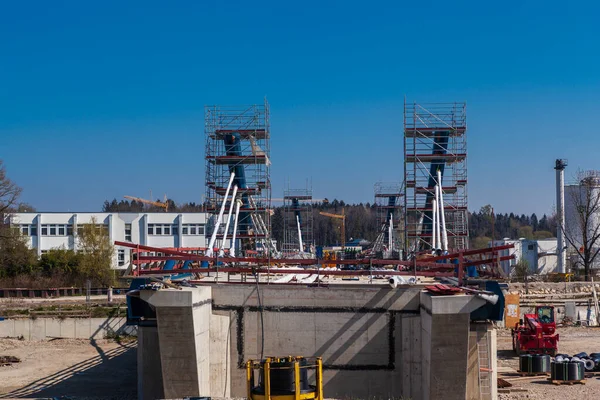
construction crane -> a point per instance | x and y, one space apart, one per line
341 216
281 200
162 204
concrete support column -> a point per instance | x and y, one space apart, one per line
179 237
144 229
445 345
183 318
411 360
149 375
38 222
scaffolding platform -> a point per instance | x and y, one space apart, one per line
297 208
435 140
238 141
389 207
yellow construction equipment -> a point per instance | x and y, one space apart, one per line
341 216
284 378
162 204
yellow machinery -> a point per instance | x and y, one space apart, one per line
329 255
284 378
341 216
161 204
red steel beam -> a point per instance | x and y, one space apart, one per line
275 261
295 271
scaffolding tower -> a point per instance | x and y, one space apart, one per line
238 141
435 139
389 207
297 219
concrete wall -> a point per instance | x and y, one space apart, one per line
67 328
149 377
372 340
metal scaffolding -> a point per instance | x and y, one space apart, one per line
297 219
238 141
435 139
389 206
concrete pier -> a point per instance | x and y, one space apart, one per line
183 320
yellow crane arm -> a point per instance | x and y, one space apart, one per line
154 203
340 216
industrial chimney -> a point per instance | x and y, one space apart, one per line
560 214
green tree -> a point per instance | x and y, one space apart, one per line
15 256
9 191
480 242
542 235
525 232
61 262
96 254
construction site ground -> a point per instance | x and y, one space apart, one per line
572 340
86 369
69 367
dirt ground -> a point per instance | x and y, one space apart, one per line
67 368
103 369
572 340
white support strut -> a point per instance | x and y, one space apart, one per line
442 214
299 235
213 238
229 215
390 231
438 236
434 224
238 204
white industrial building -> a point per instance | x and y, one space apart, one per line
50 230
582 199
540 254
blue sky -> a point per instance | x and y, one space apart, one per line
103 99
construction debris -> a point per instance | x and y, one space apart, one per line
8 360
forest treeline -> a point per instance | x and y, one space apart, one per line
361 221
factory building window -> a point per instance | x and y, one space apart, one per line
128 232
28 230
162 229
121 257
192 229
98 226
52 230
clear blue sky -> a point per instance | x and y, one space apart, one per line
103 99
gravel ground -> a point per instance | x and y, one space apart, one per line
68 367
572 340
